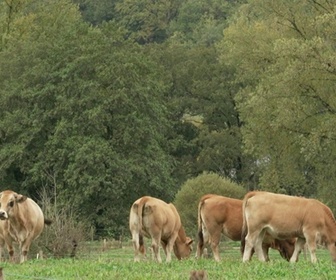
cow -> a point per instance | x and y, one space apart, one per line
283 216
21 220
218 214
155 219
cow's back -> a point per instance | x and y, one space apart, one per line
283 216
224 212
160 216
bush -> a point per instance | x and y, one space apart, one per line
186 200
64 235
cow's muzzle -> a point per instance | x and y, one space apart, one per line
3 215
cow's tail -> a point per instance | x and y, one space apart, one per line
141 206
244 228
200 245
47 222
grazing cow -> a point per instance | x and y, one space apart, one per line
22 221
284 216
155 219
219 214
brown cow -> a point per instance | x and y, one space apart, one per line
161 222
284 216
218 214
22 221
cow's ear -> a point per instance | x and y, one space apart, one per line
189 241
20 198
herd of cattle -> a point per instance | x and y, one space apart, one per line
262 220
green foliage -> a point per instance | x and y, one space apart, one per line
202 90
286 71
147 21
202 22
187 198
82 112
97 12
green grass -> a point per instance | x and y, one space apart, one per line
118 264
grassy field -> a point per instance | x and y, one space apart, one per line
118 264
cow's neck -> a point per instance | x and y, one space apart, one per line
16 221
180 240
182 235
330 221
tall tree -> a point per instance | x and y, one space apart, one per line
201 102
82 113
285 59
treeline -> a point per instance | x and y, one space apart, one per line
102 102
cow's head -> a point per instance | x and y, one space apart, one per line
183 250
285 247
9 201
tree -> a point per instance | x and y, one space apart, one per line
206 135
82 113
147 21
97 12
286 72
202 22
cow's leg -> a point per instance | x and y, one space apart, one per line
136 245
2 244
203 238
215 238
135 241
164 246
250 240
170 246
24 248
265 249
311 242
298 246
10 250
156 248
259 247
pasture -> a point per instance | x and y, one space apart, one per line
92 262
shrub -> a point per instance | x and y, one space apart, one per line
187 198
64 235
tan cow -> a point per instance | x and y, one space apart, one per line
284 216
218 214
22 221
155 219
